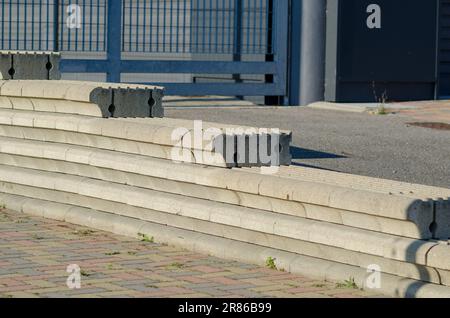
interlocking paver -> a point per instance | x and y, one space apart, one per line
35 253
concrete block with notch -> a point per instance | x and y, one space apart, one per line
5 66
112 100
29 65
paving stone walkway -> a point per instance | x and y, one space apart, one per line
35 253
428 111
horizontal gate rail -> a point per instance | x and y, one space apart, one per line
234 39
204 67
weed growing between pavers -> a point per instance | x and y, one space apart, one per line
176 265
270 263
84 232
146 238
112 253
349 284
84 273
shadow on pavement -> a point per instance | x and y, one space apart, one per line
302 153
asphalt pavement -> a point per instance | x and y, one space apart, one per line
383 146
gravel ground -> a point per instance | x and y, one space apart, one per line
372 145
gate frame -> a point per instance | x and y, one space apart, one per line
114 65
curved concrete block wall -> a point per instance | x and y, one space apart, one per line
118 174
94 99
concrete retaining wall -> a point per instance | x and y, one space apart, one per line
135 137
111 100
59 158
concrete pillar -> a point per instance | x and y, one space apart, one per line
308 37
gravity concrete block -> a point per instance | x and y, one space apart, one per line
439 256
30 66
34 65
84 156
137 164
22 103
441 226
112 100
5 66
130 98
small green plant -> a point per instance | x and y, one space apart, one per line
2 206
146 238
381 110
348 284
177 265
131 253
151 286
110 266
84 232
270 263
318 285
84 273
112 253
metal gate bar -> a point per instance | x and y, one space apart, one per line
174 37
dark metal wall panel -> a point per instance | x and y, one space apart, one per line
396 61
444 49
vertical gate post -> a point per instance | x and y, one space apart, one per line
114 49
237 36
56 21
270 100
280 41
307 65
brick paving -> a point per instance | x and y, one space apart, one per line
428 111
35 253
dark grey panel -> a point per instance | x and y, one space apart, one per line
399 54
444 48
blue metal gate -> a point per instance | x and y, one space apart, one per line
228 39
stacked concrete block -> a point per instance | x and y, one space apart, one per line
28 65
246 146
95 99
141 137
